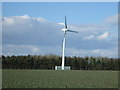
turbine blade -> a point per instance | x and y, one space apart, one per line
72 31
65 23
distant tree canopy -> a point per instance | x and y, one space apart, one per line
50 61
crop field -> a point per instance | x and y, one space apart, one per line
59 79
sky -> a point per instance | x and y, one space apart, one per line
35 28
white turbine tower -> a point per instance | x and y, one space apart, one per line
65 30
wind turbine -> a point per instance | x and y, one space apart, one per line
65 30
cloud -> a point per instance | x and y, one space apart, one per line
8 21
89 37
89 27
61 24
104 36
44 50
112 20
35 50
112 52
36 35
26 30
10 49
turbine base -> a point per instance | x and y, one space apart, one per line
60 68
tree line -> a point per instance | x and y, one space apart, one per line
50 61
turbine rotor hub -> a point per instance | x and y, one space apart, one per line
64 29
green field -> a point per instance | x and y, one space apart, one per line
59 79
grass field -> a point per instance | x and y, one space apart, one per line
59 79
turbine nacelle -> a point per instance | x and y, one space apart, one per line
64 29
